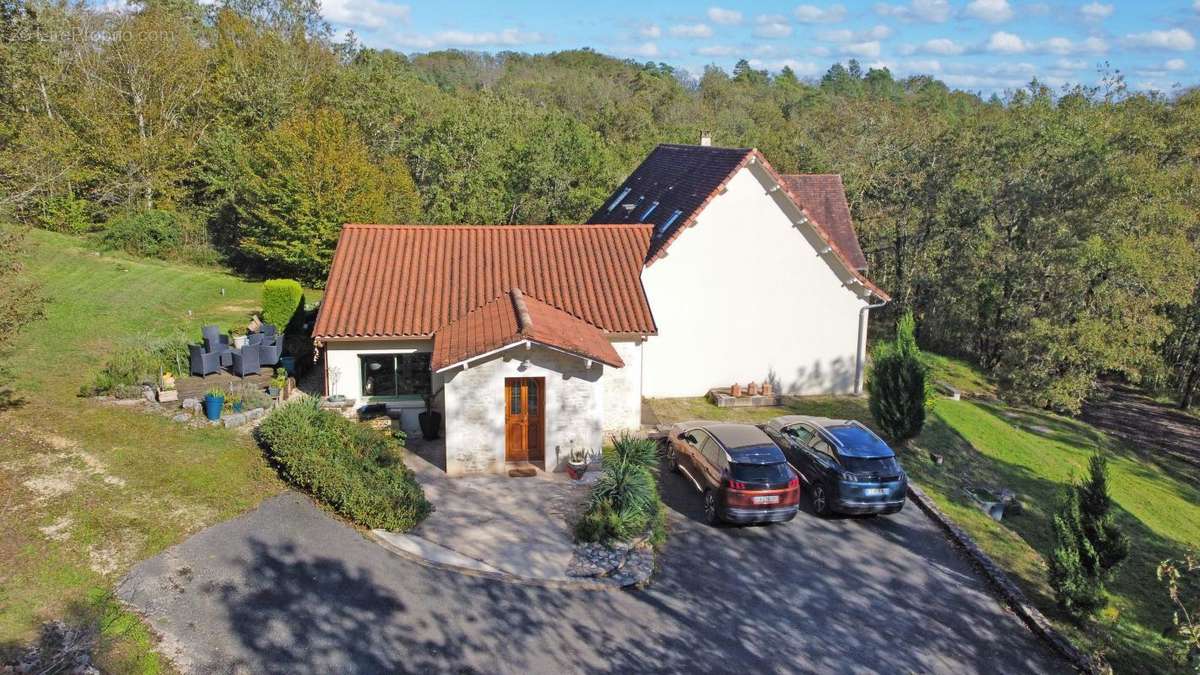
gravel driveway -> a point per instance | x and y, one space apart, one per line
288 589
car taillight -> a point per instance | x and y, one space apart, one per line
794 483
735 484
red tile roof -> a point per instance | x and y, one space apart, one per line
824 196
390 281
512 318
686 178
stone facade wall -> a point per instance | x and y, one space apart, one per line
474 403
623 389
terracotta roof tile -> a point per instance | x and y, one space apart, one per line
391 281
825 198
512 318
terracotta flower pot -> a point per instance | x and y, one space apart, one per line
735 390
752 389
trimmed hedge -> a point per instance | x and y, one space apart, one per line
353 469
282 301
624 502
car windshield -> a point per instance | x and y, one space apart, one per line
879 466
856 441
761 473
757 454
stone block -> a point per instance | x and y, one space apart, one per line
234 420
182 417
255 413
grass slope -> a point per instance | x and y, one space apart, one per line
989 444
90 489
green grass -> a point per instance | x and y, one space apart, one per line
1034 453
960 375
121 485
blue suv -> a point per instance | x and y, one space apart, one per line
847 468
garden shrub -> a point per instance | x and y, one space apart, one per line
624 502
139 362
64 213
353 469
898 385
282 302
153 234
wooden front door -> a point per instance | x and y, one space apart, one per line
523 403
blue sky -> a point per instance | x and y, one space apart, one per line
979 45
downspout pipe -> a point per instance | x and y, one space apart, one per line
861 362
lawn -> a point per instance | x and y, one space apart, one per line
90 489
1034 453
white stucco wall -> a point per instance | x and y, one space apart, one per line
743 295
474 405
343 373
623 389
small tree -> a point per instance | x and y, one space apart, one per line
1111 546
1073 562
1187 622
898 384
282 300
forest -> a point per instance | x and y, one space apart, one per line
1047 235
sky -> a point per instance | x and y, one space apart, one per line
977 45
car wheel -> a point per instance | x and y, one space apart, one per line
710 508
820 500
672 459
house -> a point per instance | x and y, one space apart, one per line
752 275
527 337
534 340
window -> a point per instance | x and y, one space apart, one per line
395 374
669 222
613 204
648 211
713 452
798 434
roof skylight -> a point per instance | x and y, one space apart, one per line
648 211
670 221
613 204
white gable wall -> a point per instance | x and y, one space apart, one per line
742 296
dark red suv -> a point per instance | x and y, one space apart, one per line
742 474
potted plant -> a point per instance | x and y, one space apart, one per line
577 462
238 335
214 401
277 382
166 388
430 420
236 402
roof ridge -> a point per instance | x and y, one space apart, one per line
707 148
524 319
498 226
564 310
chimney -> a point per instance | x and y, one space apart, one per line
705 139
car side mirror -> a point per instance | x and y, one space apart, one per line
682 436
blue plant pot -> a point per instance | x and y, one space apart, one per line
237 407
213 406
288 363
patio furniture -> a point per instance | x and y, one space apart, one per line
254 339
245 361
269 352
217 343
269 330
202 362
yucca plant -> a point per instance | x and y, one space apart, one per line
636 450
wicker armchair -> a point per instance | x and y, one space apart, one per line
202 362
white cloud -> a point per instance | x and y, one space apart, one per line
923 66
716 50
1175 64
819 51
801 68
650 30
1070 64
1096 11
364 13
509 37
845 35
691 30
1176 39
867 49
725 17
772 26
933 11
814 14
1006 43
992 11
942 46
645 49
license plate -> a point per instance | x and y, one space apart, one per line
875 492
766 499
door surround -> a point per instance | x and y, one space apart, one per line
524 419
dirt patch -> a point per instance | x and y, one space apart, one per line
117 553
1155 430
59 530
56 484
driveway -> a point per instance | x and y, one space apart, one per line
288 589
